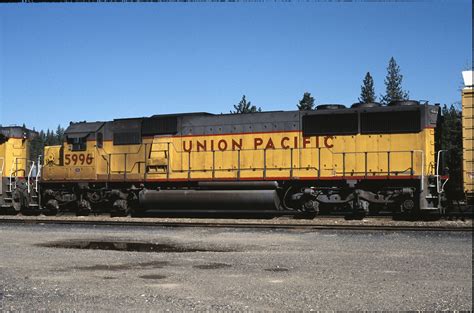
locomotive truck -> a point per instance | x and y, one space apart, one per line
362 159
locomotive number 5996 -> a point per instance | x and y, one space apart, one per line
78 159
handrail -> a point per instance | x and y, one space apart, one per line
422 184
14 172
439 186
38 174
121 153
239 169
388 152
10 177
3 166
292 167
29 175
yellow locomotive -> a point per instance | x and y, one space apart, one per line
467 135
19 186
368 157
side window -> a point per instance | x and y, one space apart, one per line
99 138
77 143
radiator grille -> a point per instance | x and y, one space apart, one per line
330 124
390 122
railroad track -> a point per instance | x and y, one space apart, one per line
326 223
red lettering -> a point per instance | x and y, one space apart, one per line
89 159
68 159
201 146
222 145
326 143
236 144
317 141
78 159
270 144
283 145
295 143
74 158
306 141
212 145
82 158
190 146
257 142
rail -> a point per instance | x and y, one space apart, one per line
320 223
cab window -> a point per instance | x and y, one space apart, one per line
77 143
99 138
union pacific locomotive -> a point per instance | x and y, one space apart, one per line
362 159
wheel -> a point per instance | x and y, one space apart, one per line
30 211
51 208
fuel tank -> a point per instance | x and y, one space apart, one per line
209 199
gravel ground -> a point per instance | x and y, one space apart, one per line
233 269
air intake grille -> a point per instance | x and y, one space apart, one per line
159 126
330 124
390 122
127 138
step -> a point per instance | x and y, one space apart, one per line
431 197
6 206
34 205
7 199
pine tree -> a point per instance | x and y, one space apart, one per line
37 146
50 140
307 103
393 84
245 106
367 90
59 135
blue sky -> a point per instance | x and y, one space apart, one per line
71 62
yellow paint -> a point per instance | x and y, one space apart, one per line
467 140
14 154
242 156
